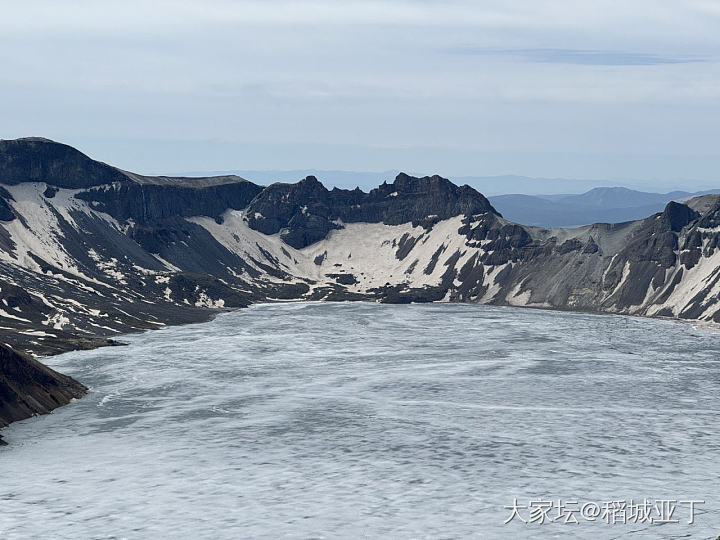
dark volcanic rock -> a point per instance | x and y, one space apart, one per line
35 159
397 294
650 252
422 201
569 246
304 209
591 246
150 203
6 211
343 279
29 388
307 211
40 160
405 245
677 215
430 268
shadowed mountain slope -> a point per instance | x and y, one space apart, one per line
88 252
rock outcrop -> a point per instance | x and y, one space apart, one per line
29 388
35 159
307 211
152 203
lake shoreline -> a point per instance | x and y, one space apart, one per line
95 342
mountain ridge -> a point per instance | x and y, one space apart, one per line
31 159
80 265
602 204
490 186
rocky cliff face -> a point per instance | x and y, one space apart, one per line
306 212
152 203
40 160
28 388
88 252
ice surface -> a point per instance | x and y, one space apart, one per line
365 420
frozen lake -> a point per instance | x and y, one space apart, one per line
320 420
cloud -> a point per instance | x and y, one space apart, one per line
588 57
519 76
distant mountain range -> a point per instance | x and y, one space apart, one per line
489 186
599 205
365 180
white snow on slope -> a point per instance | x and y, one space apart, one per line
693 282
365 250
39 232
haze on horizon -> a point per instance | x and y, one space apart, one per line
607 90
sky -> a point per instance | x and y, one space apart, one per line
595 89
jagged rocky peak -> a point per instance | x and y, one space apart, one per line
437 196
304 209
677 215
312 181
404 182
306 212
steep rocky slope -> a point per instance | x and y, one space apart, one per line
88 251
28 388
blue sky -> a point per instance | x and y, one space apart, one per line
601 89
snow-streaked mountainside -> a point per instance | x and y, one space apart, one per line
88 251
